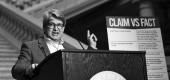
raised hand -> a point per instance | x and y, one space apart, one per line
92 39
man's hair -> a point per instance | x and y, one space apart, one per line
53 13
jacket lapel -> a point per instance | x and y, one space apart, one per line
43 46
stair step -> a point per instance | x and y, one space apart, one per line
6 46
8 59
6 78
4 42
5 75
8 50
5 69
4 64
8 54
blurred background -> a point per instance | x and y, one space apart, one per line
21 20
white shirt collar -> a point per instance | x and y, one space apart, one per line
54 46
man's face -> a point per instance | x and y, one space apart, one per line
55 29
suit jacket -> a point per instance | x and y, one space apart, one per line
31 52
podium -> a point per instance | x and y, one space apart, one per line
83 64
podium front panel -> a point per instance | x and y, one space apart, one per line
82 65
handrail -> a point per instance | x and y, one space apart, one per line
19 26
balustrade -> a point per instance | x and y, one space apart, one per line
18 25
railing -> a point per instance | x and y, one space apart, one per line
19 28
19 25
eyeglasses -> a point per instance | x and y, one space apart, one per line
53 25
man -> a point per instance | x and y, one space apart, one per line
33 52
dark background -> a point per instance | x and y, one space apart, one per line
95 20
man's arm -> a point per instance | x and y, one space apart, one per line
23 67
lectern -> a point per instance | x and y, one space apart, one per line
83 64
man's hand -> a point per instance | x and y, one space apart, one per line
30 70
34 66
92 39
